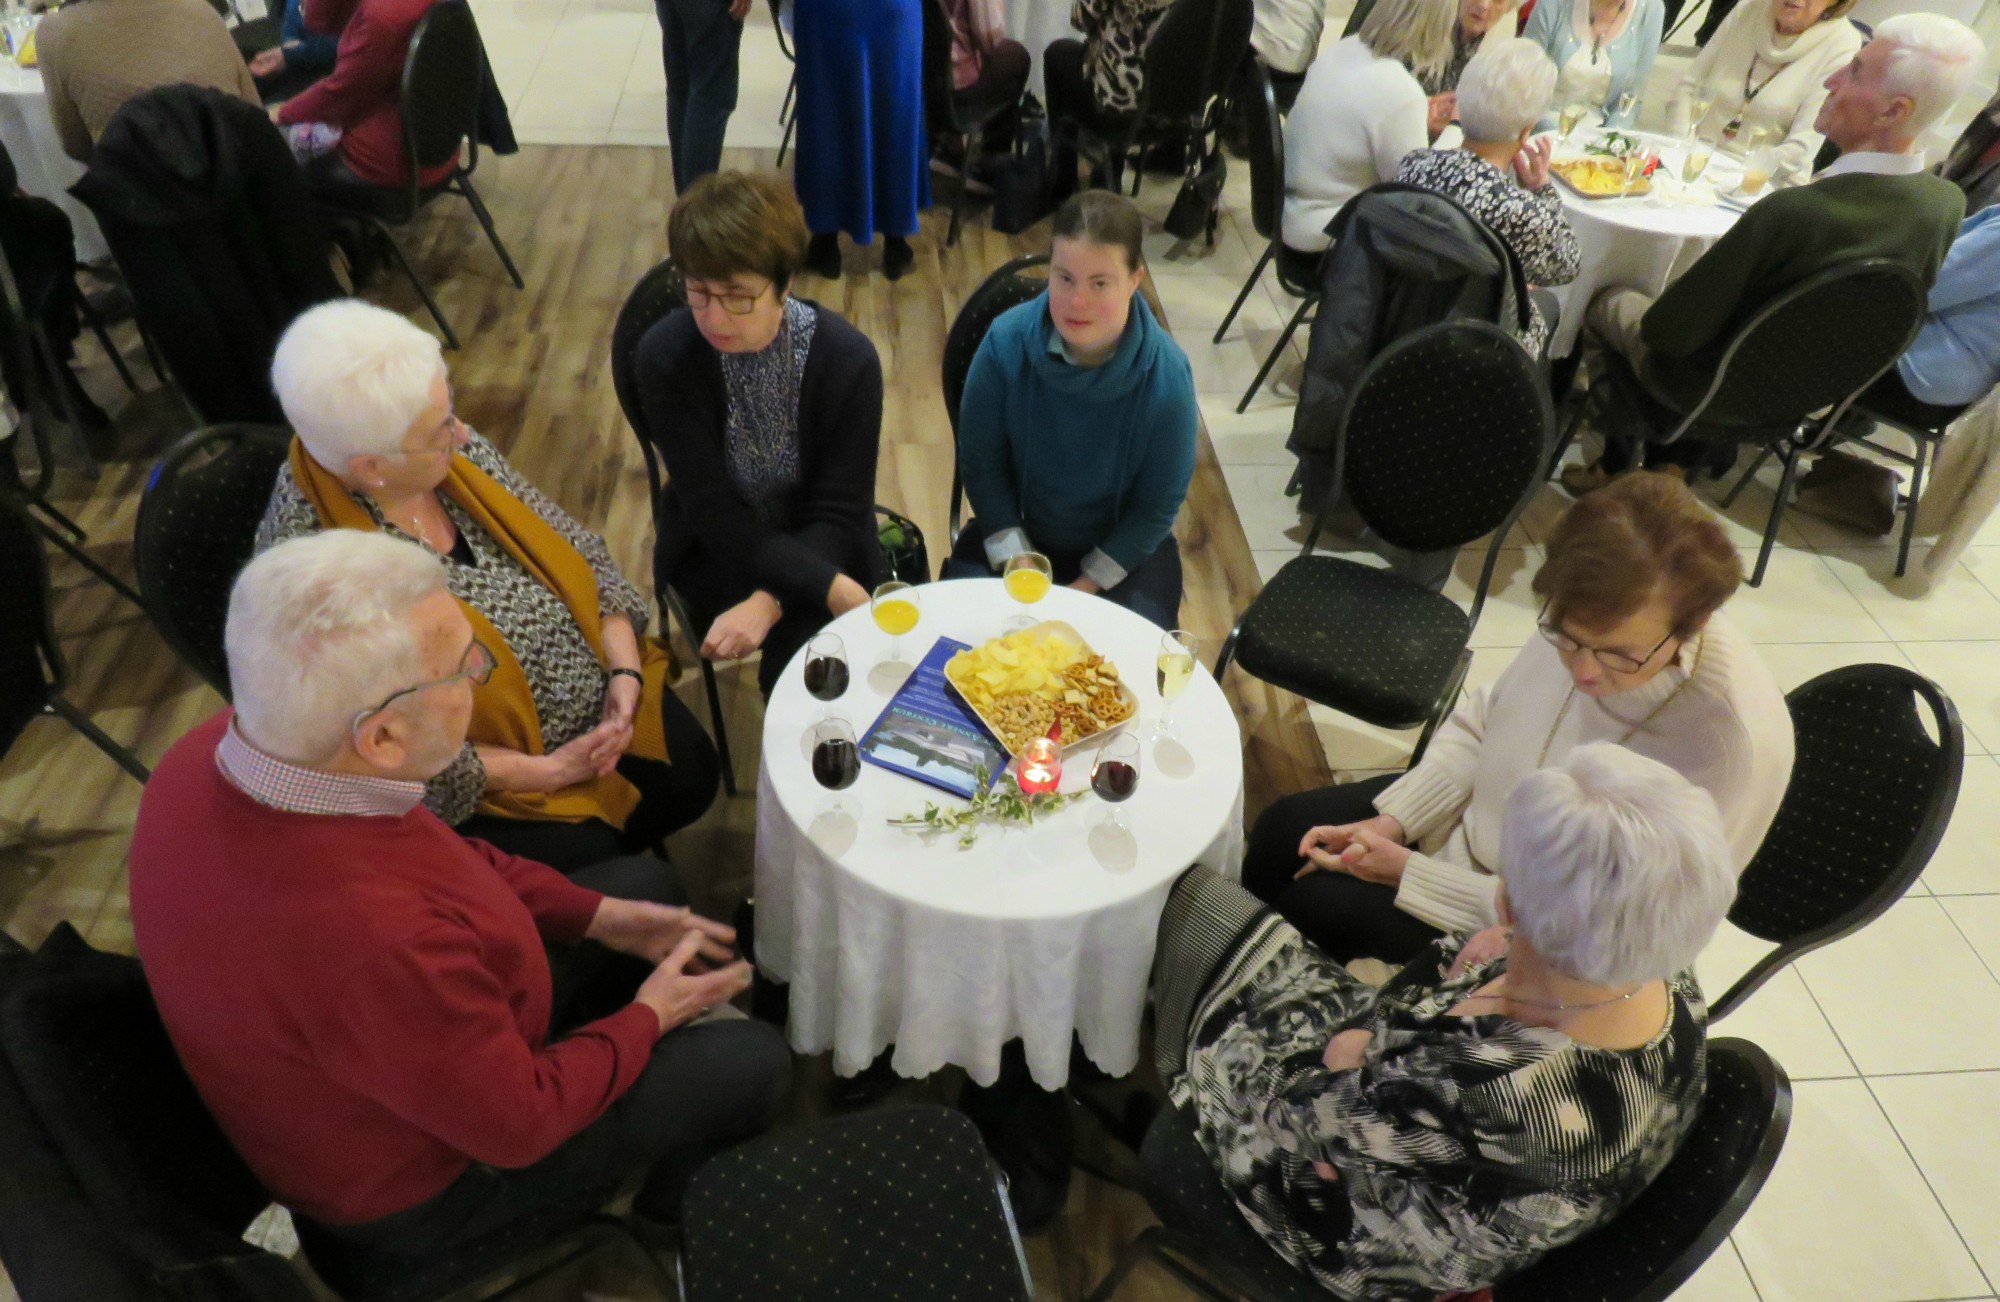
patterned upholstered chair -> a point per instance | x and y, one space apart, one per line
900 1205
1442 442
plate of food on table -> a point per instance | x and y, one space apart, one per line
1030 683
1612 166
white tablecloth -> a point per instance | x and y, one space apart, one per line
45 170
1634 242
950 953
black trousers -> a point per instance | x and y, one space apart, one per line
1343 915
1890 397
705 1088
670 797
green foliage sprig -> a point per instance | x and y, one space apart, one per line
1003 802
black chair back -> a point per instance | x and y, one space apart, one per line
1007 288
1654 1245
1813 346
660 292
902 1203
31 666
1266 136
1444 436
444 75
778 29
197 529
1192 58
1880 751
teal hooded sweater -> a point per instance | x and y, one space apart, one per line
1089 461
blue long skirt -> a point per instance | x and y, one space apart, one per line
863 162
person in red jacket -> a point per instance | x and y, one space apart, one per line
362 96
415 1040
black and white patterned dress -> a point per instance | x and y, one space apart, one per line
1466 1147
1530 222
565 678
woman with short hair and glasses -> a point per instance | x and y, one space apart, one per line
767 410
578 751
1631 650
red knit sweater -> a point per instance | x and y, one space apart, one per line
362 1002
363 95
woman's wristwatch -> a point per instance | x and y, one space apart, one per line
632 674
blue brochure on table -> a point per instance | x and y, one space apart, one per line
927 732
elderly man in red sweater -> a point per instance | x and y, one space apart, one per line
364 998
363 95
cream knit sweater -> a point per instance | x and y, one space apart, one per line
1728 732
1789 77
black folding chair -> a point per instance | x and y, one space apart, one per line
902 1203
444 76
197 529
1190 61
1810 349
1649 1250
1298 273
33 672
1879 753
788 109
1442 442
1005 289
952 115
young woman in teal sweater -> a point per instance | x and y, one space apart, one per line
1076 431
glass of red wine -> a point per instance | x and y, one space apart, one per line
1115 775
826 667
836 759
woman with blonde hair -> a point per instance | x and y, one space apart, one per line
1764 75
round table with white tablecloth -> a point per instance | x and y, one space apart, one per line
1041 932
1639 243
45 171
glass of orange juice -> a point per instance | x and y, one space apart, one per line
895 609
1028 576
1757 169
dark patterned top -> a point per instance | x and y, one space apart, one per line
1466 1147
565 677
1463 47
762 441
1530 222
1115 36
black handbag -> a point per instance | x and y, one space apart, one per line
1021 180
1193 213
904 555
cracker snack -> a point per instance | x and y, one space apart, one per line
1026 682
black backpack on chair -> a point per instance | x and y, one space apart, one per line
904 555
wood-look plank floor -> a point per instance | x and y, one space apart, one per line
535 376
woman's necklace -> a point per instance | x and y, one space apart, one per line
1600 28
417 528
1750 94
1632 731
1555 1007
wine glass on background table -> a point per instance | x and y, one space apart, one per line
1115 776
1028 577
896 611
836 761
1699 104
826 667
1571 115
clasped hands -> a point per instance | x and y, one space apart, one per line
695 964
1371 850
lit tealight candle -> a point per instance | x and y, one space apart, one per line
1041 766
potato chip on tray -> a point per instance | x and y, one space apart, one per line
1024 683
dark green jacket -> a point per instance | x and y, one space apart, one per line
1782 239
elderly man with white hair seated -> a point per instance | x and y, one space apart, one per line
1875 201
416 1041
1448 1129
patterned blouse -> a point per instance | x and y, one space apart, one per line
564 676
1466 1147
762 443
1115 36
1463 47
1530 222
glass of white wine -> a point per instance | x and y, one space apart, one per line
1175 669
1626 103
1757 169
1698 106
1571 114
1696 161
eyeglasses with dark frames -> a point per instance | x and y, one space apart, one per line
734 304
476 664
1618 662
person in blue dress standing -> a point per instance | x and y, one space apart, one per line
863 162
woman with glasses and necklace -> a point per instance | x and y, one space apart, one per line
1631 650
767 410
578 751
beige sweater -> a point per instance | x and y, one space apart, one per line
96 54
1728 732
1791 72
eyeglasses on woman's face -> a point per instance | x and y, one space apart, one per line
476 665
734 299
1616 660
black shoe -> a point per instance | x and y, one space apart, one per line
875 1080
823 256
897 257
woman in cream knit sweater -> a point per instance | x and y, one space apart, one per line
1766 70
1631 651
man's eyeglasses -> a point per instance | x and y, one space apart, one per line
476 664
736 304
1618 662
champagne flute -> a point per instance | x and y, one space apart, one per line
1572 113
1757 170
1634 164
836 760
895 610
1175 670
1028 577
1115 776
1696 162
1699 104
826 667
1626 103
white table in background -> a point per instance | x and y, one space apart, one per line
950 953
45 171
1637 243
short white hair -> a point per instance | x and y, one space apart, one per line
320 630
1934 61
1616 866
352 377
1505 89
